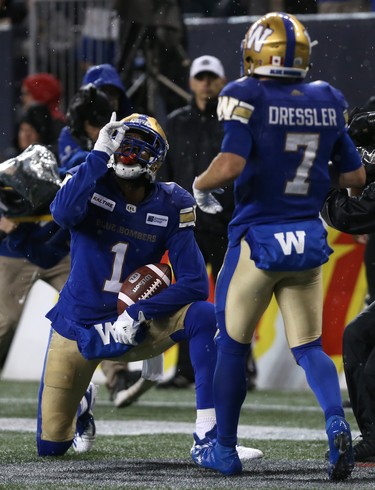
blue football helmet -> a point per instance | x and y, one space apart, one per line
142 150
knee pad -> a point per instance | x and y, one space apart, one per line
199 317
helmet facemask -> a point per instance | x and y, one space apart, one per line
142 150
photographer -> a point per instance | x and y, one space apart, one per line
355 215
28 183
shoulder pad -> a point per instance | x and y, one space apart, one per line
181 200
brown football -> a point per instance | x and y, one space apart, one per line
144 282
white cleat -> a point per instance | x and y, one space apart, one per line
248 453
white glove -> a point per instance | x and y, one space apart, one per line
110 136
126 328
206 201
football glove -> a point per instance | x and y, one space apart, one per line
110 136
126 328
206 201
368 160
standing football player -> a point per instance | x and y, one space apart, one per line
279 135
120 218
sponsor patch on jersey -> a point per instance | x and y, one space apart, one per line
103 202
187 217
231 109
157 220
130 208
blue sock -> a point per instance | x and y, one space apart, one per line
229 391
199 330
48 448
321 376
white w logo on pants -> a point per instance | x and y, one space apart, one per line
291 239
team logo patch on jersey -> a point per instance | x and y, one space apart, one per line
103 202
231 109
157 220
130 208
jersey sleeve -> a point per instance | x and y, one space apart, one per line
70 204
345 156
235 109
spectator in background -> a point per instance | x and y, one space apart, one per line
194 134
35 128
106 78
45 89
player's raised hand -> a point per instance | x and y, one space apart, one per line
206 200
110 136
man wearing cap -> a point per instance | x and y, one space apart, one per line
194 134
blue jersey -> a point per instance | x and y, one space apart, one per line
287 132
110 238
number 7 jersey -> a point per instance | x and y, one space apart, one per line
287 132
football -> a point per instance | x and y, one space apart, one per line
144 282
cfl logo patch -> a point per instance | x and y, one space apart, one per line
257 38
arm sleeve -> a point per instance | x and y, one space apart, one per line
71 202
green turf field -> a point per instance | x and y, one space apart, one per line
146 445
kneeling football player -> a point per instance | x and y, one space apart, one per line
120 219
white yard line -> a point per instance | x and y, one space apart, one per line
144 427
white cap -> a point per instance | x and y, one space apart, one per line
207 63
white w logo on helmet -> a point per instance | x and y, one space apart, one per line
257 38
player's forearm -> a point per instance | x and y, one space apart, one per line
223 170
357 178
71 202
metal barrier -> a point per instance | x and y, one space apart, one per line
344 56
68 35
